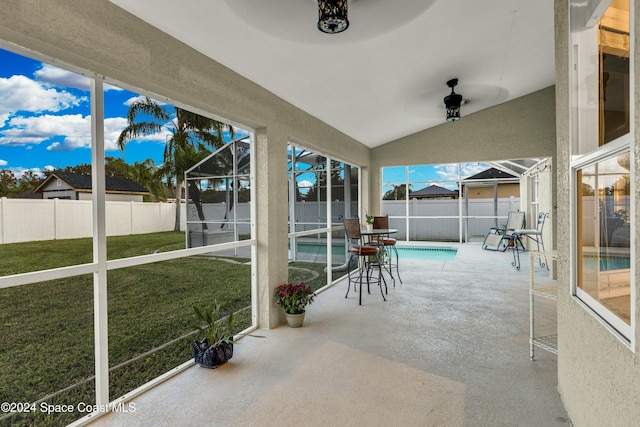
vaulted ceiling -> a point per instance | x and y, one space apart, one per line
385 76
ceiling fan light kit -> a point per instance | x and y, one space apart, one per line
332 16
452 102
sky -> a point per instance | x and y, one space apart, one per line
45 118
421 176
45 124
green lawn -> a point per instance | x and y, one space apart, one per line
46 329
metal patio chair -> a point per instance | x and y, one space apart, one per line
534 234
499 239
387 242
368 258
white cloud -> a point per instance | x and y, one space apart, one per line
140 98
450 171
55 76
447 172
130 101
112 129
73 128
19 93
470 169
3 162
34 130
19 171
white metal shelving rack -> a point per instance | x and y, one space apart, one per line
547 342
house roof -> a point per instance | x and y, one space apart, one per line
82 183
433 190
492 173
29 194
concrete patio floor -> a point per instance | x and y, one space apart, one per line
448 348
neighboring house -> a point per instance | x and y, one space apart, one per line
60 185
29 194
491 183
171 193
433 192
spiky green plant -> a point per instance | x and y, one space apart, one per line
215 330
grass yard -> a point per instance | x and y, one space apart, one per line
46 329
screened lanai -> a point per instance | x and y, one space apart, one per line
322 191
218 197
460 202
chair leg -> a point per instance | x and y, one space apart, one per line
388 263
516 254
381 278
349 275
397 263
546 261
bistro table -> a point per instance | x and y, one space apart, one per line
373 235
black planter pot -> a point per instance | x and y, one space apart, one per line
211 356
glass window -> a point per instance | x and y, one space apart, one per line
603 250
601 93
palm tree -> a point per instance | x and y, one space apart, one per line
191 137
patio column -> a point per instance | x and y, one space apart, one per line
271 221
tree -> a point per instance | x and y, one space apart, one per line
337 187
398 192
8 183
28 181
191 136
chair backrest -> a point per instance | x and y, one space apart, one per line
515 220
352 228
541 218
381 222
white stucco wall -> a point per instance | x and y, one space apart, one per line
598 375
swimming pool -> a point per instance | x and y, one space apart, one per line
427 252
607 262
408 252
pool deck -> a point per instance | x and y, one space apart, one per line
449 347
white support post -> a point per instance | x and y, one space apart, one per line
101 333
329 224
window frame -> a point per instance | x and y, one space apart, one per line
624 332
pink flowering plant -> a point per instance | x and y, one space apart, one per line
293 298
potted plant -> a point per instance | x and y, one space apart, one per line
216 347
368 221
293 298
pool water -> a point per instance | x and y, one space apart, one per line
426 252
607 263
408 252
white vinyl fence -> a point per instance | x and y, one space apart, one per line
443 217
25 220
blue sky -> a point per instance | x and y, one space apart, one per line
421 176
45 118
45 123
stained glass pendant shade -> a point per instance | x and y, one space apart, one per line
452 102
332 16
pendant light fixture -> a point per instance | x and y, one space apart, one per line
452 102
332 16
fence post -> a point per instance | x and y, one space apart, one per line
55 218
3 200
